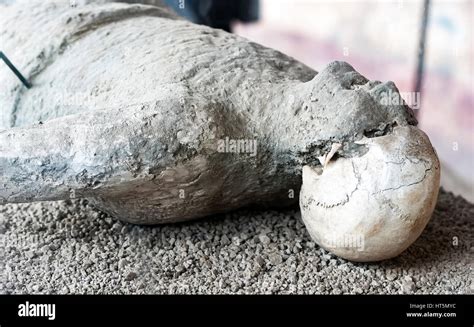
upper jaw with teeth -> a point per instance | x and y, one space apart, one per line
369 176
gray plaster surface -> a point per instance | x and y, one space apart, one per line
129 106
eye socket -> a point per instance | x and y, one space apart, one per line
353 79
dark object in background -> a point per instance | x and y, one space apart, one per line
421 49
216 13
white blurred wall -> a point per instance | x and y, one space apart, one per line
380 39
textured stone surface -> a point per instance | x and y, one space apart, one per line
59 247
129 105
373 207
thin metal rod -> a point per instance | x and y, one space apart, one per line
421 47
14 70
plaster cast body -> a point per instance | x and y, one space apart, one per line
133 103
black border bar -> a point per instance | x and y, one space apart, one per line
318 310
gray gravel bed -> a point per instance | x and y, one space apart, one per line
69 247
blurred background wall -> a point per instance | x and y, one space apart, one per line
380 39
